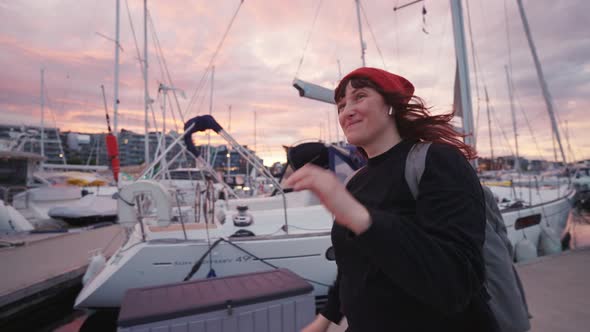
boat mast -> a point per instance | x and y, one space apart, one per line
210 112
358 16
255 150
228 155
42 115
146 96
513 112
546 94
490 128
97 151
116 85
462 66
164 90
569 147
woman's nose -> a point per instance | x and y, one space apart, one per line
348 110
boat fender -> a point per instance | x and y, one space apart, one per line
97 263
229 307
5 220
525 250
220 207
549 242
220 216
331 254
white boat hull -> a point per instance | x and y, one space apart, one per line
553 214
157 262
168 257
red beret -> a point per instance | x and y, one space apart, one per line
387 81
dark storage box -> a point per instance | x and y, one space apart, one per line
273 301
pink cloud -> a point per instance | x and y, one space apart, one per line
261 54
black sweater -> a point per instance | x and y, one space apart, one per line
419 266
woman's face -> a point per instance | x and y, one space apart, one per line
363 116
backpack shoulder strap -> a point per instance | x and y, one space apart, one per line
349 177
415 165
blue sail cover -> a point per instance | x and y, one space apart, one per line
344 161
198 123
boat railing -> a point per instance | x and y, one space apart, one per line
188 209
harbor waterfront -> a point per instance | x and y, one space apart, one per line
172 223
151 154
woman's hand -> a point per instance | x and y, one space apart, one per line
347 211
319 324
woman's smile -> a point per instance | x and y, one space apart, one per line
351 123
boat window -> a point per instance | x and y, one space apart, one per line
527 221
39 182
13 172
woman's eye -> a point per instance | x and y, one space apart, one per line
360 96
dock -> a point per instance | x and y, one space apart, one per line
37 267
557 289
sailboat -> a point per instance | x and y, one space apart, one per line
168 243
537 227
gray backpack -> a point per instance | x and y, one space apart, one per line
507 298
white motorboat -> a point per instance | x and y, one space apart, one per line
36 194
89 209
75 205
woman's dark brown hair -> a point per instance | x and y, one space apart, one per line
413 118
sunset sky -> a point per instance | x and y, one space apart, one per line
260 57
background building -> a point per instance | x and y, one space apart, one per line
232 164
28 139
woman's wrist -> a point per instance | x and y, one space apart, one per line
353 215
361 220
322 322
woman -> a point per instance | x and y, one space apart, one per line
403 264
